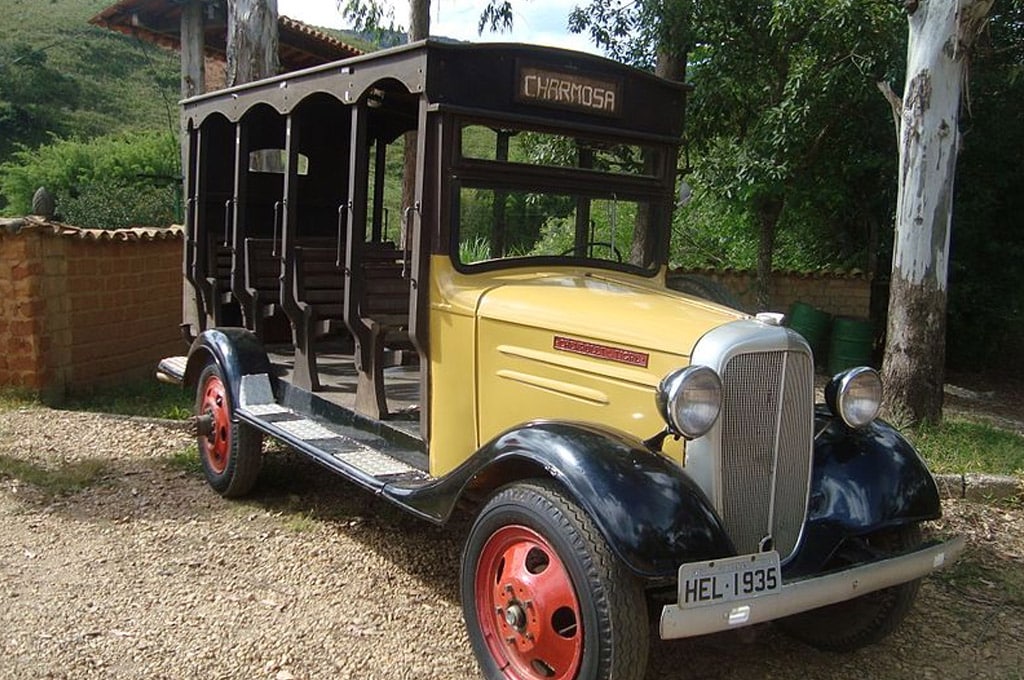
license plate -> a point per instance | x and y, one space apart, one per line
732 578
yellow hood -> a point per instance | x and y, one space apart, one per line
606 310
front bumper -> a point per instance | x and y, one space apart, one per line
808 593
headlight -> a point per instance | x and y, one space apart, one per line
690 399
855 395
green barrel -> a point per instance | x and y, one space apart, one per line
851 344
813 325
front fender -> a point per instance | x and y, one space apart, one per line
653 516
863 480
237 351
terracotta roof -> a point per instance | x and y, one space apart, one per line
159 21
33 223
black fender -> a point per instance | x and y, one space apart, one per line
237 351
652 514
863 480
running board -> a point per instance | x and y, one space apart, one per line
364 457
172 370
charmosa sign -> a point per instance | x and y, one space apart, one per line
563 89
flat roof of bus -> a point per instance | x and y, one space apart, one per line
500 78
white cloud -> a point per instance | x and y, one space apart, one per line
542 22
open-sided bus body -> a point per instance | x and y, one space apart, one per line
439 271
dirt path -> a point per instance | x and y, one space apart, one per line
147 574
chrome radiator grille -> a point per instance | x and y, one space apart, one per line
766 428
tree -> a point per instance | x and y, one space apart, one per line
781 91
985 318
942 33
252 44
35 98
369 16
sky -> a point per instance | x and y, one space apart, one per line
535 21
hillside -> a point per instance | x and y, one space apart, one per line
84 80
64 79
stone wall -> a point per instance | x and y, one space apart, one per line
81 307
838 293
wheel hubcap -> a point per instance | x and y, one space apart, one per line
215 443
527 607
515 617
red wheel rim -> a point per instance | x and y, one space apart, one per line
216 446
527 608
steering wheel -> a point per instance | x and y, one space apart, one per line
591 244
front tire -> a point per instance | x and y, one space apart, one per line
865 620
544 597
231 453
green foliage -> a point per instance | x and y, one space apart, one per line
781 91
122 82
374 22
774 110
961 446
986 286
634 31
35 98
147 398
108 182
67 478
12 398
61 78
186 460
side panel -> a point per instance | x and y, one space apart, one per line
452 328
651 513
523 375
862 481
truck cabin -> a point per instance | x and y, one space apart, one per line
324 206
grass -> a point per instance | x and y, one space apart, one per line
65 479
301 522
125 83
186 460
992 579
147 398
961 446
12 398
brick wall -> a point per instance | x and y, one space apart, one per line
839 294
80 308
22 312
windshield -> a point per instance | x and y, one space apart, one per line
525 196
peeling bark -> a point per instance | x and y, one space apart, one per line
941 33
252 41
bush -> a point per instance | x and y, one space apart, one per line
108 182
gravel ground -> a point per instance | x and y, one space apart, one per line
146 573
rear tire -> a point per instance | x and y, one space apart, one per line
544 597
850 625
232 453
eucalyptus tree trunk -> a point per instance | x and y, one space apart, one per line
419 29
252 45
941 35
671 65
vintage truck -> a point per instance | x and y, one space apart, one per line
439 271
